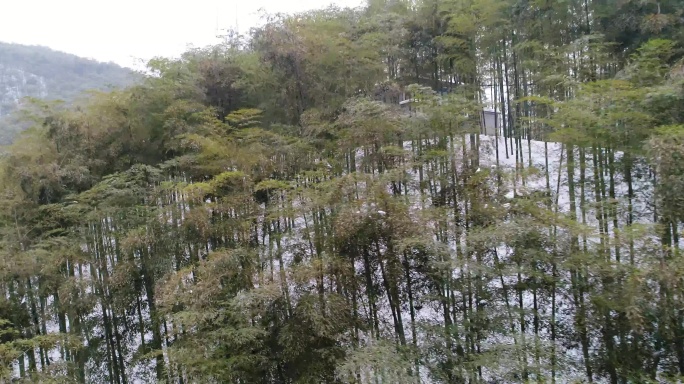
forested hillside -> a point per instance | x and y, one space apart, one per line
39 72
263 211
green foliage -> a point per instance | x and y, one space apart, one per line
378 361
666 149
264 211
244 118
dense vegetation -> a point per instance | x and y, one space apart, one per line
39 72
263 212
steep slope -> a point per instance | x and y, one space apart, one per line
35 71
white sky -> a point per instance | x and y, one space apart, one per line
127 30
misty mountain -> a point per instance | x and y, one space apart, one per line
40 72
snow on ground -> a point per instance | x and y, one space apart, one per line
492 155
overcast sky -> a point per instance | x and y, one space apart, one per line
125 30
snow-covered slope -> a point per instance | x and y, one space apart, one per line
16 84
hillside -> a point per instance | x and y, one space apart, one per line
266 212
35 71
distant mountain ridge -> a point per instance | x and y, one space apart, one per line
37 71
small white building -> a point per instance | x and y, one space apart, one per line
490 121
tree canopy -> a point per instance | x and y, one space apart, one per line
265 210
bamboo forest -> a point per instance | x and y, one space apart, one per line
411 191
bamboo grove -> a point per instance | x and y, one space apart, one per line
263 211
